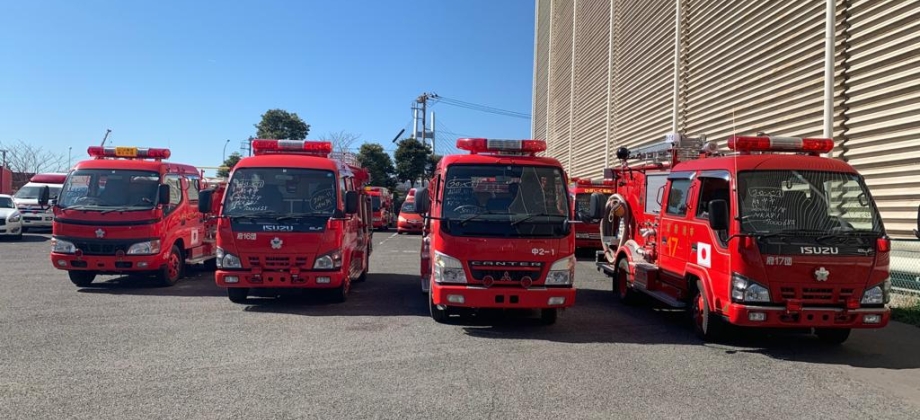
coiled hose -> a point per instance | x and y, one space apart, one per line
616 215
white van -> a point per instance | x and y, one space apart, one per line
26 199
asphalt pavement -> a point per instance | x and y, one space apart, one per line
129 349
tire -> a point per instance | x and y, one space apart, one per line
548 316
237 294
708 326
833 336
439 315
81 278
367 266
174 268
340 294
621 290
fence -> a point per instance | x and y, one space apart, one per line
905 266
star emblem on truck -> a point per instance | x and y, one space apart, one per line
821 274
100 233
277 242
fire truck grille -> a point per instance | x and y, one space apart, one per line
107 247
499 275
276 262
816 294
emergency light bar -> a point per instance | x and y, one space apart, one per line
494 145
293 147
100 152
812 146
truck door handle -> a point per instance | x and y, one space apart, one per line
693 247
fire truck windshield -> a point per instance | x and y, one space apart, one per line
32 192
504 200
103 189
281 192
583 202
805 202
375 203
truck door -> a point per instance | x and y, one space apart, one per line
708 248
673 234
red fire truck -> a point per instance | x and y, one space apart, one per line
381 206
773 235
126 211
292 217
587 235
499 231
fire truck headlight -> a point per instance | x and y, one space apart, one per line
15 217
448 269
61 246
227 260
745 290
878 295
330 261
562 272
145 248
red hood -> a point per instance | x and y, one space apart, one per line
94 224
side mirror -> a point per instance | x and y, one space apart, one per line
163 194
205 199
351 202
595 208
718 215
44 196
422 201
917 230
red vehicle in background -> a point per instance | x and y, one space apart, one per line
587 234
409 221
381 206
127 211
498 231
292 217
773 235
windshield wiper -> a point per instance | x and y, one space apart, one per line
785 232
121 209
300 216
251 216
532 216
467 219
848 234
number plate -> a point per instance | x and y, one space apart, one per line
126 151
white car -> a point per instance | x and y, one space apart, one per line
10 218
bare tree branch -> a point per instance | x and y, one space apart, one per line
343 141
27 158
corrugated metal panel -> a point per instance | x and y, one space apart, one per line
883 140
643 69
560 83
592 41
541 68
754 66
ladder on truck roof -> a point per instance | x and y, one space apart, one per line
675 148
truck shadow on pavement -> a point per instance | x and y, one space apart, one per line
379 295
597 318
26 238
197 282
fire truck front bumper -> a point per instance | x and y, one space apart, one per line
501 297
112 264
280 279
806 316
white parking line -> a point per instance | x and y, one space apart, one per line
388 238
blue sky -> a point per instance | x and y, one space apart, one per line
190 75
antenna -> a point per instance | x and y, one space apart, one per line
107 131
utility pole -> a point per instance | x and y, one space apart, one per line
420 109
225 151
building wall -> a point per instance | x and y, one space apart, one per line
606 75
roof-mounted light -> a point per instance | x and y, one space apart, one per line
501 146
127 152
812 146
291 147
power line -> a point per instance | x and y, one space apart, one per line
479 107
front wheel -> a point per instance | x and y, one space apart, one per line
621 288
548 316
340 294
708 326
81 278
834 336
175 267
439 315
237 294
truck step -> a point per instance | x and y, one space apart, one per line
660 296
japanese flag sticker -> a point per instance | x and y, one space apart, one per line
704 255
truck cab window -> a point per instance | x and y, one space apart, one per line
677 197
712 189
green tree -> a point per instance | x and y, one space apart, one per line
229 164
280 124
411 160
433 161
378 163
